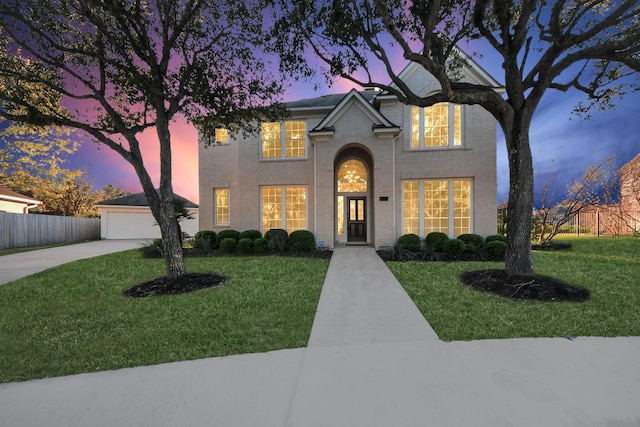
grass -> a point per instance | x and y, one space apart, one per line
608 267
74 318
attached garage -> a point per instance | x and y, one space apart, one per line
130 217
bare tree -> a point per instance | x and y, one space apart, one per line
596 187
120 67
587 45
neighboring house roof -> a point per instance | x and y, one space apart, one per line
630 164
6 194
139 199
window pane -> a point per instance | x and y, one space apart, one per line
271 208
222 206
410 207
352 177
341 215
457 125
462 207
222 136
436 125
436 206
296 209
415 127
295 139
271 140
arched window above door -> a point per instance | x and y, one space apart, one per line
352 177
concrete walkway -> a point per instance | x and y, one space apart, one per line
372 360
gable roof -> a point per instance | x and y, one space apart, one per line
479 74
326 101
381 125
12 196
139 199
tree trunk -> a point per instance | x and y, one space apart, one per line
171 240
520 205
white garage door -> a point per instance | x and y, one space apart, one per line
130 225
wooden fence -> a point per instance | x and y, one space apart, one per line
19 230
597 222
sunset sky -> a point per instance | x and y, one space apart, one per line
561 142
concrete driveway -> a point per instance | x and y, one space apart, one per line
17 266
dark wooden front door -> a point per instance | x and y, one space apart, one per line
357 219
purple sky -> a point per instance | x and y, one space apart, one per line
561 142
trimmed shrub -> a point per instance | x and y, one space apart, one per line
302 241
277 239
496 249
260 245
245 246
205 240
152 249
228 234
435 240
495 238
409 242
473 240
228 245
250 234
453 247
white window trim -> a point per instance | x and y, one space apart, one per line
284 204
450 131
283 144
450 207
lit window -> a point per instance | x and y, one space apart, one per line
352 177
283 140
437 126
222 206
222 136
437 205
271 140
284 207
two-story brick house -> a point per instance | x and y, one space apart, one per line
358 167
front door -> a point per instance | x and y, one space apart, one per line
356 219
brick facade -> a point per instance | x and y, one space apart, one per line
377 129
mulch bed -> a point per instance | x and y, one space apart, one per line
186 283
537 288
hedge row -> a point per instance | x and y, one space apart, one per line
439 247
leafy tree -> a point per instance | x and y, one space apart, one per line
121 67
590 46
32 162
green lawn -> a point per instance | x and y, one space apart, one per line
74 318
608 267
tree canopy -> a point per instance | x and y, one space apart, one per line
113 69
587 45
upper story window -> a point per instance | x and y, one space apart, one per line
283 140
437 126
222 136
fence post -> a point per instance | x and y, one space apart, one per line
598 223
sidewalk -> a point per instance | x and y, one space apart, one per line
372 360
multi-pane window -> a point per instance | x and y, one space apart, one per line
222 206
437 205
283 140
437 126
222 136
284 207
